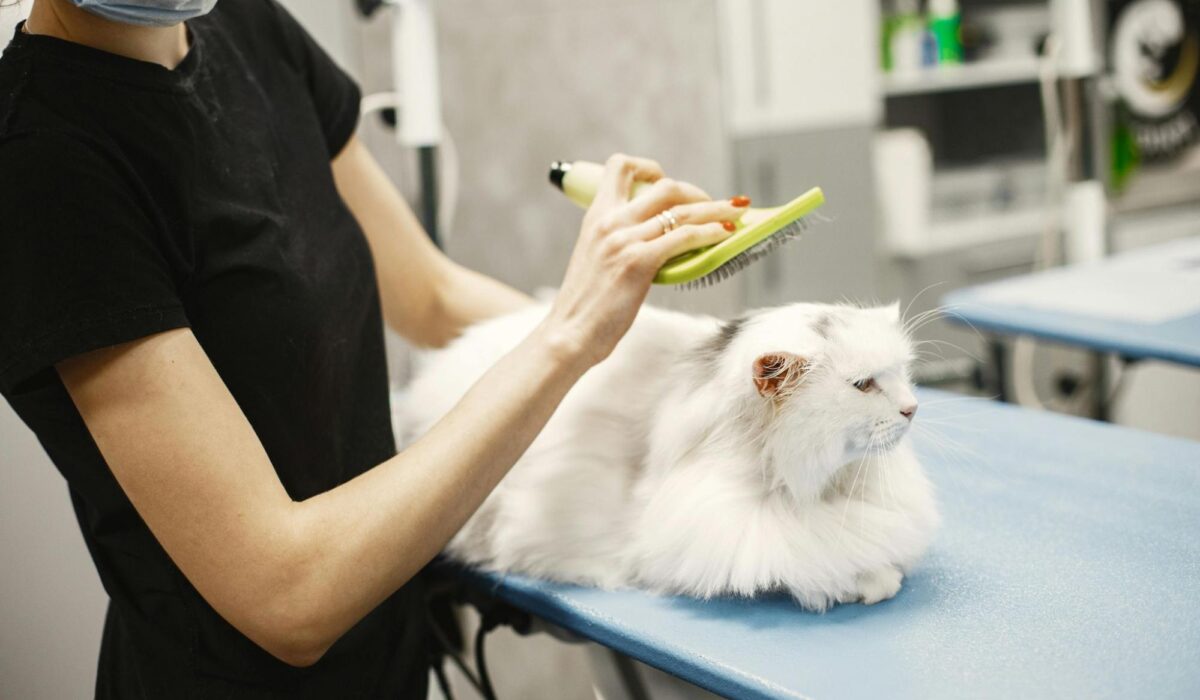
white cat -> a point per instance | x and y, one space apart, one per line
768 453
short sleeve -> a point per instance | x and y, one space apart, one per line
334 93
81 263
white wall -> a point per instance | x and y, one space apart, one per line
51 602
333 24
9 16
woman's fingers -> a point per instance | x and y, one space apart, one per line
686 214
620 172
686 238
620 247
662 195
704 212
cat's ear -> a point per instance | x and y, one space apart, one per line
777 372
892 311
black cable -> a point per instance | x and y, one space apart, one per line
448 650
486 623
427 156
439 672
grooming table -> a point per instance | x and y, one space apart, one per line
1067 566
1144 304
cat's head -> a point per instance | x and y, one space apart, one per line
830 384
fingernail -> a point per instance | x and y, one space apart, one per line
729 226
740 201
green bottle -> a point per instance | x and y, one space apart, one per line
945 23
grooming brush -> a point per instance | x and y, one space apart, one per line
758 232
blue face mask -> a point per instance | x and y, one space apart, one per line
151 13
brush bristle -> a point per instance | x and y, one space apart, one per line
743 260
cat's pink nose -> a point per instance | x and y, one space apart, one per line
909 411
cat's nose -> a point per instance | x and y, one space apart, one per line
909 411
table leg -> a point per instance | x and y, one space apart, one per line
615 675
1098 366
998 353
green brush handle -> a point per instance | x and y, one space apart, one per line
581 179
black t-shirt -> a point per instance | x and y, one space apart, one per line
136 199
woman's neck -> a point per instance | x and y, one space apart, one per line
165 46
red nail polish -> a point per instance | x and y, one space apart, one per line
729 226
740 201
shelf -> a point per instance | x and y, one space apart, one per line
985 73
949 235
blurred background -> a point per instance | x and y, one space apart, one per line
945 135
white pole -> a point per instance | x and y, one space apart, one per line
1085 205
415 71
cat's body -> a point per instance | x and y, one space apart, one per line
709 459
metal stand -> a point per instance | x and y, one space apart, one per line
429 192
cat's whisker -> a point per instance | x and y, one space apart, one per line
953 311
922 320
909 321
850 495
873 444
891 486
846 505
884 480
940 342
955 420
912 301
929 355
942 417
913 320
956 399
952 420
951 449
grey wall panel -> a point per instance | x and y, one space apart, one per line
528 82
51 602
836 258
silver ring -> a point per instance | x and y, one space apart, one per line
669 222
671 215
666 222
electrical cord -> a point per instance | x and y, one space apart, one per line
445 588
448 649
488 621
439 672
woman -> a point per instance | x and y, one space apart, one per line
195 256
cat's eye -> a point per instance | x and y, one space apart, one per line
865 385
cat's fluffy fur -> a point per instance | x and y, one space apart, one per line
709 459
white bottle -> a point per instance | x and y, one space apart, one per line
906 37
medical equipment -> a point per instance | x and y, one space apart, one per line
416 99
758 232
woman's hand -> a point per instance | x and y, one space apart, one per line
621 247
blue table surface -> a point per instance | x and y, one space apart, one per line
1067 566
1177 340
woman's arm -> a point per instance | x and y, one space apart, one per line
294 576
426 297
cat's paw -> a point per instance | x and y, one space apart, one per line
879 585
813 601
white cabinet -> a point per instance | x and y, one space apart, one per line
792 65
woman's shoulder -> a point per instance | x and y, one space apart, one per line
259 25
51 160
